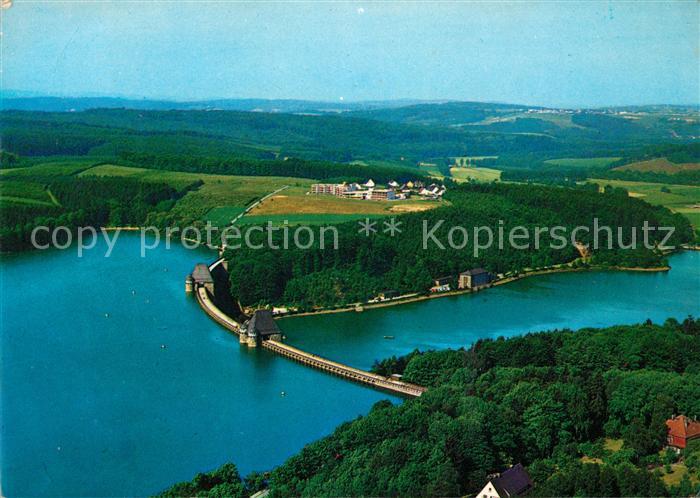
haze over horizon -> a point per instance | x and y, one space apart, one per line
572 54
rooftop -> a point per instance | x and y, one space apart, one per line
683 427
201 274
263 323
474 271
513 481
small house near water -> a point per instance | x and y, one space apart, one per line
475 278
513 482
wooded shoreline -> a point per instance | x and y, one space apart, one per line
507 280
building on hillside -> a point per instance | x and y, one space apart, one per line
475 278
381 194
431 191
370 183
441 284
393 184
328 188
387 294
261 328
681 429
513 482
356 194
321 188
201 277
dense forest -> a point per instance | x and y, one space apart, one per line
401 135
547 400
85 202
532 167
364 266
262 135
676 153
292 167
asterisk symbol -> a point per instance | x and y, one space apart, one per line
392 227
367 227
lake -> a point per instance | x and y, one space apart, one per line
546 302
93 406
114 382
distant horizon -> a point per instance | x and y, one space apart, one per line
576 54
21 94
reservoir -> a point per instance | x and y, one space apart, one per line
114 382
92 405
546 302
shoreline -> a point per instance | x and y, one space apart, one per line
503 281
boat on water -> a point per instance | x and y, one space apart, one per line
388 337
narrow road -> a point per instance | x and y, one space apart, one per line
257 203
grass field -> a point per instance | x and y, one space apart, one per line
8 200
383 163
24 189
683 199
679 196
218 200
45 170
305 218
583 162
296 202
221 216
16 187
431 170
673 478
661 165
297 208
475 174
222 198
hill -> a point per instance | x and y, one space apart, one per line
401 136
546 400
263 135
77 104
661 165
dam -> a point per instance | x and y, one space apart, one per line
273 342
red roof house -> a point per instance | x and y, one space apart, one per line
682 429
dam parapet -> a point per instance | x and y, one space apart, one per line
262 330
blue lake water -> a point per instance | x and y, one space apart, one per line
92 405
564 300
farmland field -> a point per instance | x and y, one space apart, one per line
679 198
219 199
661 165
291 201
431 170
296 207
478 174
305 218
45 170
30 191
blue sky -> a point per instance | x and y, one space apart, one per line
551 53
